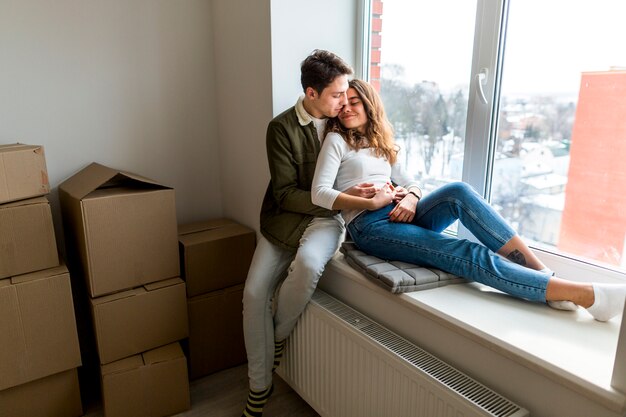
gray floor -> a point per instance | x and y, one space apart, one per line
224 393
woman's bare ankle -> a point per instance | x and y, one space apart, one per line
563 290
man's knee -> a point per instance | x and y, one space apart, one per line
307 268
257 288
251 297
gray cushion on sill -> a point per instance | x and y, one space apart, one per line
396 276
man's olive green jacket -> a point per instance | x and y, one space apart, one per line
292 150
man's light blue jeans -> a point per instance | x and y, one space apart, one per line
270 264
422 242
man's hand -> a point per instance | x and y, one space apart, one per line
404 211
365 190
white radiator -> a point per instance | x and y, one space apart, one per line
345 365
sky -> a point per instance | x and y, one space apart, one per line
549 42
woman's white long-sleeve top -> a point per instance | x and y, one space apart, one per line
339 167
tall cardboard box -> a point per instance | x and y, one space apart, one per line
56 395
152 384
27 240
37 327
137 320
23 172
215 254
120 227
215 331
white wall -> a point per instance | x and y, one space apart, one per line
299 27
129 84
241 32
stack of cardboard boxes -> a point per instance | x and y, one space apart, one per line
215 258
121 236
39 350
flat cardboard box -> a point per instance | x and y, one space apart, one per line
215 254
137 320
120 229
215 332
53 396
23 172
27 241
152 384
37 327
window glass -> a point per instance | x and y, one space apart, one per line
560 162
421 57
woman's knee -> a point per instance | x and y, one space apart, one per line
460 188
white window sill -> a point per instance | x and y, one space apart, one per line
570 348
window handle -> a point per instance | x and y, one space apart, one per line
481 80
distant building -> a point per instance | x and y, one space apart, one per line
594 218
376 42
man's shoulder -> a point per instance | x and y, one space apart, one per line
286 117
287 125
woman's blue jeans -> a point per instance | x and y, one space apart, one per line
422 242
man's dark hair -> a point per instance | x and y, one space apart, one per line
320 69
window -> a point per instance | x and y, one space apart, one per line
561 133
425 89
523 99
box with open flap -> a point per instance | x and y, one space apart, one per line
120 229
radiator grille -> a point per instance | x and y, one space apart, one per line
484 401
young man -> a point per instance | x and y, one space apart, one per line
298 238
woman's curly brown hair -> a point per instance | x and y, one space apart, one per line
378 132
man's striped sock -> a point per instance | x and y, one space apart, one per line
256 402
279 349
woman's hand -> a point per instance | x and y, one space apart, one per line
383 197
404 211
401 192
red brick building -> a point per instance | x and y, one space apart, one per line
594 219
375 43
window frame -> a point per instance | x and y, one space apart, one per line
482 123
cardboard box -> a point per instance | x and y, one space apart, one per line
37 327
120 228
215 332
215 254
23 172
148 385
53 396
27 240
140 319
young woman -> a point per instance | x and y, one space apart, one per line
397 223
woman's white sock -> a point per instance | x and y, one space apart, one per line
563 305
609 301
